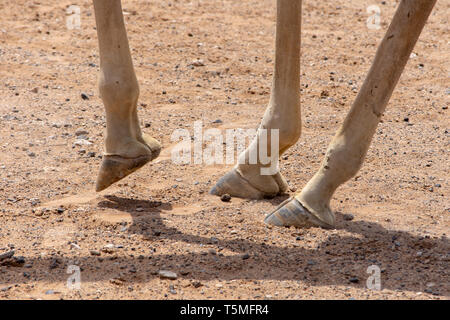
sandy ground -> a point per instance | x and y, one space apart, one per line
162 218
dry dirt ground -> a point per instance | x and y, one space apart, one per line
162 218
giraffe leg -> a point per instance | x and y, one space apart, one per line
283 112
126 148
346 152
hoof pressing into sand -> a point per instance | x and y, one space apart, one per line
292 213
234 184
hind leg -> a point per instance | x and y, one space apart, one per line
346 152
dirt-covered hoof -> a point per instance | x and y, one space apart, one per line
234 184
115 168
292 213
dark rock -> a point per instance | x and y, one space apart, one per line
13 262
7 255
311 262
225 197
354 280
348 217
95 253
54 263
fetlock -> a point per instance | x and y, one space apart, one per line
249 184
268 184
128 148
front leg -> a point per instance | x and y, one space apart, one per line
126 148
283 113
348 148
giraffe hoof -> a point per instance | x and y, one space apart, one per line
234 184
292 213
115 168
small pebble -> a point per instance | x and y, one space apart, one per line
311 262
7 255
81 132
172 289
82 142
225 197
164 274
354 280
348 217
54 264
74 245
197 63
95 253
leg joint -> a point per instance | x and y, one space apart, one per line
119 89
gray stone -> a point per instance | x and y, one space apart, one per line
165 274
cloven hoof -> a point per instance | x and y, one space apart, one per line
292 213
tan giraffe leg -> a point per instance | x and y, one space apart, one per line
348 148
283 111
126 149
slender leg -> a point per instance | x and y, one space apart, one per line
282 113
348 148
126 149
